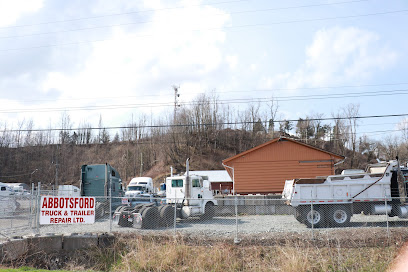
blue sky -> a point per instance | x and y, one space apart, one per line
56 55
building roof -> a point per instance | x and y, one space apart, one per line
338 157
213 175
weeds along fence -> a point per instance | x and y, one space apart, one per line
235 217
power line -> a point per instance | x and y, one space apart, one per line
17 175
152 21
172 8
122 13
203 124
220 101
224 92
216 28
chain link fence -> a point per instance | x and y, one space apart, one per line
16 213
236 217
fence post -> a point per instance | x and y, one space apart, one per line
31 205
14 212
312 214
236 240
386 217
110 206
38 201
175 212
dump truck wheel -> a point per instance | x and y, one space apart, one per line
167 216
339 216
209 211
315 217
150 218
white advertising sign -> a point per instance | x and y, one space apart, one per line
67 210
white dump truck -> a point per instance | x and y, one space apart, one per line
138 186
331 201
186 196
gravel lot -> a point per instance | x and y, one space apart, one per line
19 224
222 227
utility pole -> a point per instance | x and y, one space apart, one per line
56 167
176 103
141 164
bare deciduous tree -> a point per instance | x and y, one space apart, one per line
350 112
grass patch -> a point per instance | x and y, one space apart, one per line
144 254
132 252
26 268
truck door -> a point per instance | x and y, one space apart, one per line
196 194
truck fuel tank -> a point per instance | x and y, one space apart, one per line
402 211
381 209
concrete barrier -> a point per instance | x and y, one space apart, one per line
252 205
83 241
13 249
17 247
46 243
255 200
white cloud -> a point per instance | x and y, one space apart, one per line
232 61
11 11
337 56
152 58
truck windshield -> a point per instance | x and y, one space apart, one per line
135 188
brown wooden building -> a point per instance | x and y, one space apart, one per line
264 169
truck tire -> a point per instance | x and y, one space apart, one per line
315 217
209 211
144 207
167 216
150 218
339 216
137 208
99 211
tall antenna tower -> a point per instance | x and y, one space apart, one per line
176 102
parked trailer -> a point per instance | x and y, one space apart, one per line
101 181
186 196
331 201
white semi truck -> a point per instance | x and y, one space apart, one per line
186 196
331 201
138 186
